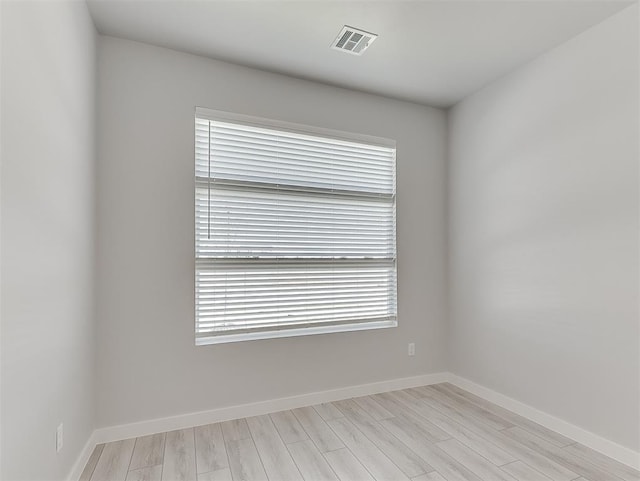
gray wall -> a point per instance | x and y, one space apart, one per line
48 234
148 365
543 233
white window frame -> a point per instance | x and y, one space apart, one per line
216 115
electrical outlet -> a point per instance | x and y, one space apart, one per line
59 437
412 349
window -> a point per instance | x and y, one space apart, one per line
294 230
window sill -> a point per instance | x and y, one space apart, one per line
306 331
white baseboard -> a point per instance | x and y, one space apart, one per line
152 426
81 462
598 443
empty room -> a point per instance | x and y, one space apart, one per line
319 240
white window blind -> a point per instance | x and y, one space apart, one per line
294 231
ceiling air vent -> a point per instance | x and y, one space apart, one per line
352 40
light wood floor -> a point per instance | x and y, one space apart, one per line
430 433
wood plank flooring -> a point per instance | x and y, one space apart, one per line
429 433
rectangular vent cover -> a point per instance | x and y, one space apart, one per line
353 40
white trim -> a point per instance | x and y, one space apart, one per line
302 331
125 431
83 458
219 115
598 443
152 426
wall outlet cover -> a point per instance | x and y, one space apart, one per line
59 437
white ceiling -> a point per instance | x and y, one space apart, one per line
432 52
